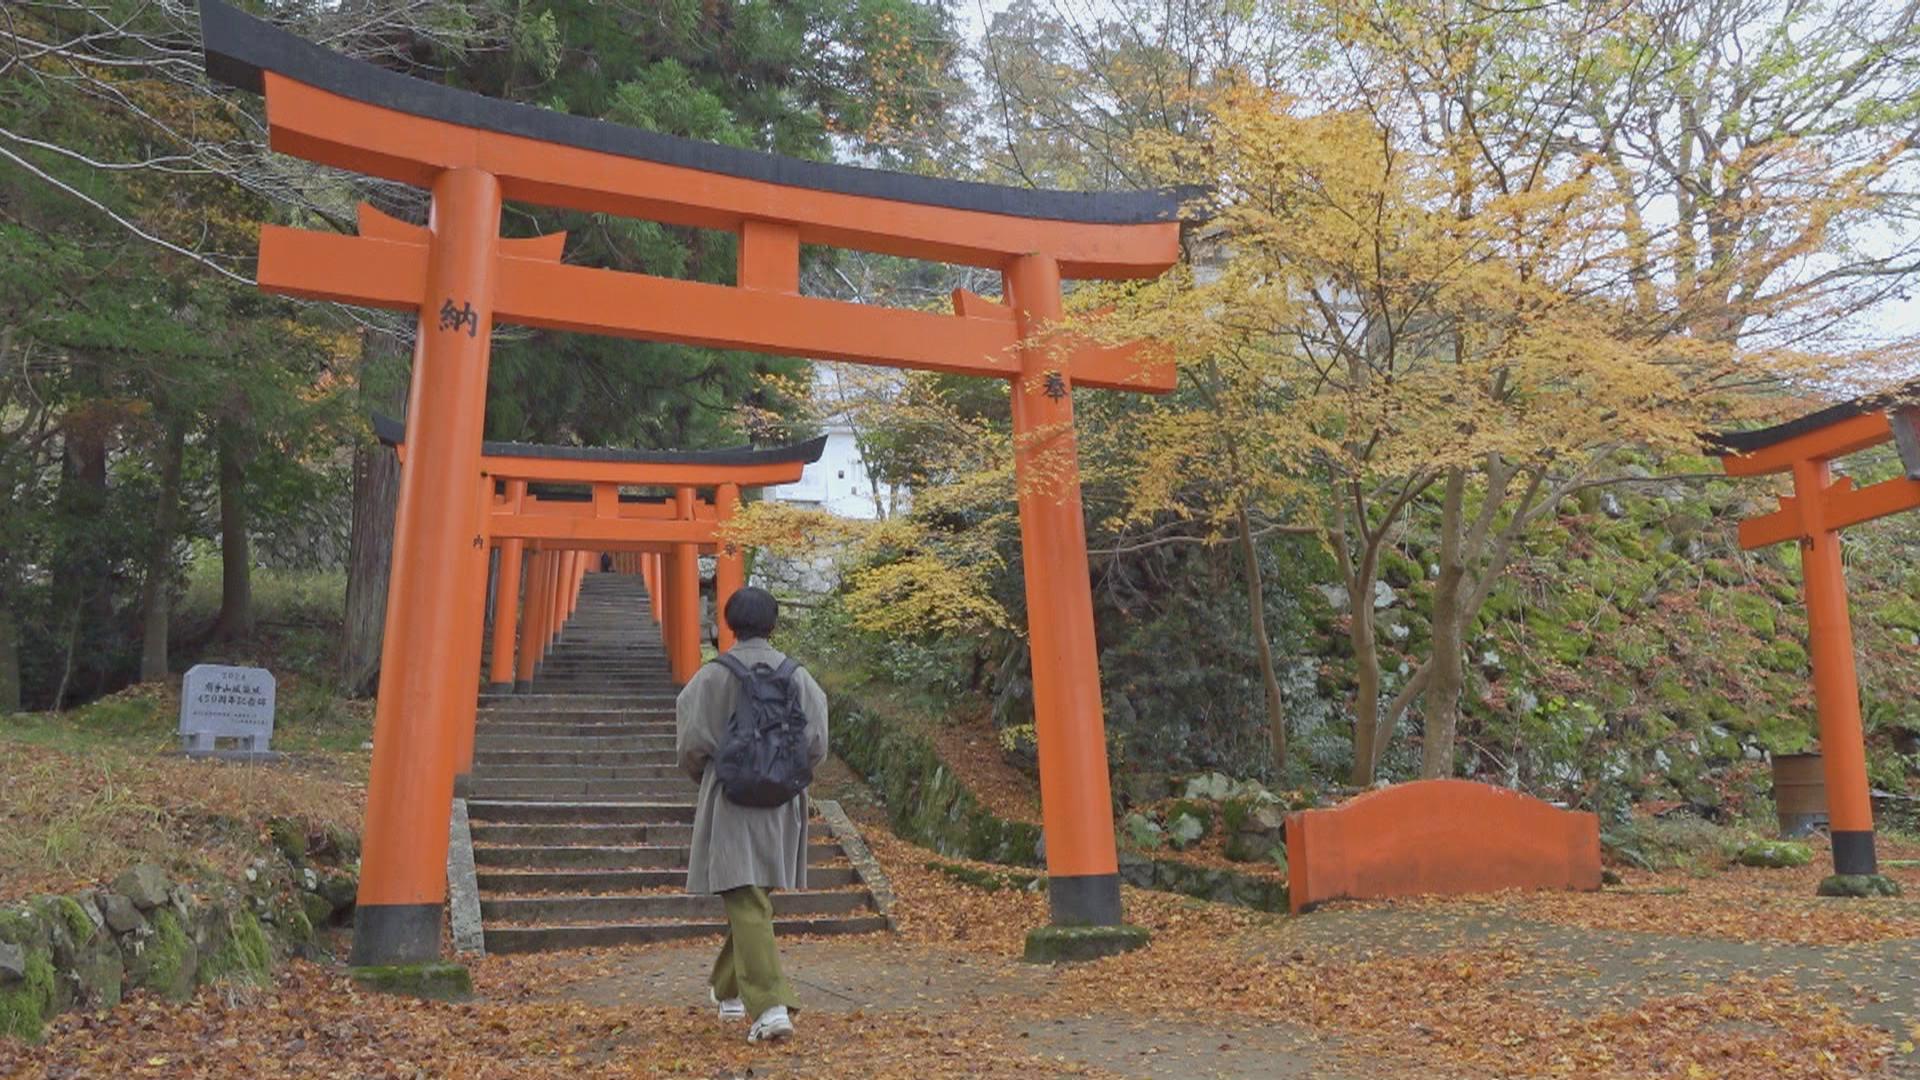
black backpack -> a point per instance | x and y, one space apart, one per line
764 759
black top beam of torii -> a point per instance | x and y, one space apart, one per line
393 433
240 49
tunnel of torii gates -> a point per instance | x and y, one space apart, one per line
553 540
461 277
1813 515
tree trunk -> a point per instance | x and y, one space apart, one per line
1257 606
9 658
1368 739
376 497
1449 654
156 592
236 565
82 563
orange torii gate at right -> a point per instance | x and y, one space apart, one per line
1819 508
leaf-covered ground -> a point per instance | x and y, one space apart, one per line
86 793
1709 974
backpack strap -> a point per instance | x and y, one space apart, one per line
787 668
734 664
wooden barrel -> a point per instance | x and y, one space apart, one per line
1799 793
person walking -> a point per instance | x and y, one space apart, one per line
750 728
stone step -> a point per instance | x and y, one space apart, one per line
486 787
590 713
496 727
523 812
523 882
584 702
483 743
486 758
520 939
619 834
576 856
646 907
582 772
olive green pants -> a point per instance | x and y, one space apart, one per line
748 966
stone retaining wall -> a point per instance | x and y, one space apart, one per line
929 805
150 931
926 802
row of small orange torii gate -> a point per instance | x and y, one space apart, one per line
461 276
538 546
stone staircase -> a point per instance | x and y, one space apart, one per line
579 818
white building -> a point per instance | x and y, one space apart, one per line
839 482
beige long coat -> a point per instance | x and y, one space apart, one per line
737 845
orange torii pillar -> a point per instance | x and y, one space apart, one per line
729 564
683 594
531 622
650 571
1814 515
506 602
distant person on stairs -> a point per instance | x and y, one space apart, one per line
751 727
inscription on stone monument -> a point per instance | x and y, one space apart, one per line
226 705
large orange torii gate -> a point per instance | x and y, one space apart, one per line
1814 514
462 276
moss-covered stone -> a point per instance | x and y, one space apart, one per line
1859 886
290 839
1072 944
1251 847
340 890
18 927
25 1005
317 909
1774 854
436 981
1188 822
78 923
166 960
990 880
243 956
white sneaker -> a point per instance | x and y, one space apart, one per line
773 1026
731 1009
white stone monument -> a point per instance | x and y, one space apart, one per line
218 703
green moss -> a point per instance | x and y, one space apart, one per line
1784 656
26 1007
317 909
989 880
1723 572
1233 814
1551 633
290 839
436 981
78 922
1902 612
1859 886
1755 612
20 928
245 956
1774 854
299 928
1067 944
164 961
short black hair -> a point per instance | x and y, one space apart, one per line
751 613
